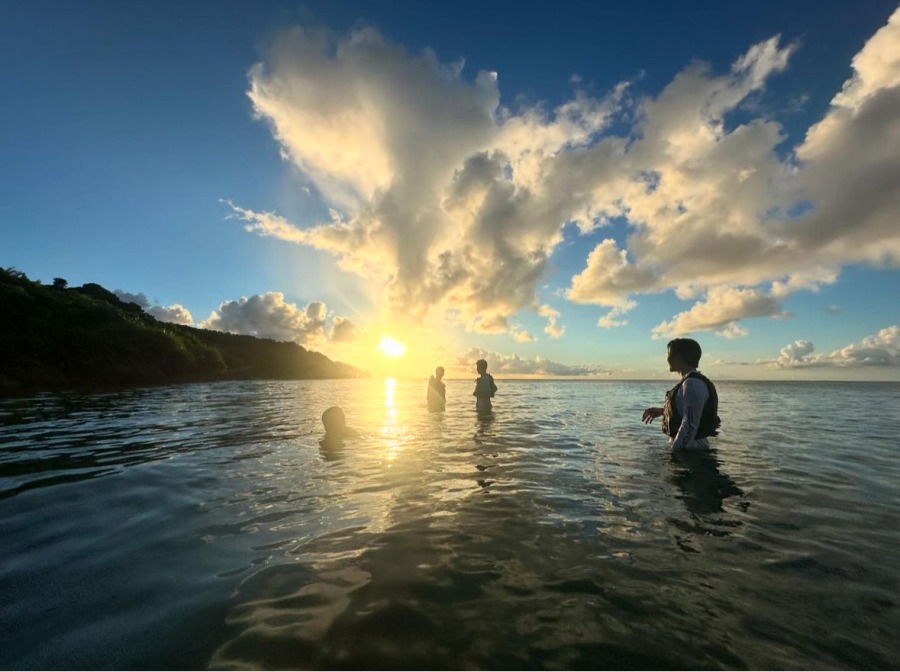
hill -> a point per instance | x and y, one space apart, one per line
57 337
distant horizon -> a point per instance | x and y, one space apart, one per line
589 379
501 375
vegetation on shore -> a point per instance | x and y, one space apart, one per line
57 337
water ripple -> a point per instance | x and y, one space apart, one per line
202 525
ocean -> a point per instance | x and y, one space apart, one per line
203 526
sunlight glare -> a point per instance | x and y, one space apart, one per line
389 385
392 347
390 429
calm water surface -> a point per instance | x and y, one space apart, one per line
202 526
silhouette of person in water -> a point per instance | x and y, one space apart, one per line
437 391
485 388
336 429
690 413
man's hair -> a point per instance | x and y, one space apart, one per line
688 349
333 419
481 365
439 371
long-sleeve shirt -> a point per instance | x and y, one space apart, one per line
690 398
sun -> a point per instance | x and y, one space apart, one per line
392 347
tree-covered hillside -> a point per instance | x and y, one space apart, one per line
54 337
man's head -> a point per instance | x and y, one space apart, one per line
334 421
439 372
481 366
683 353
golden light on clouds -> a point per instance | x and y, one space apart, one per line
391 347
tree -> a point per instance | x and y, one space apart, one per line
60 283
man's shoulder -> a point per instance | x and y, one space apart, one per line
695 375
695 382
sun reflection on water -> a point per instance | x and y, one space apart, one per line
390 429
390 385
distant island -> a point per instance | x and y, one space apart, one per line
58 337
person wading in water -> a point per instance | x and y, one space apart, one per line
691 410
485 388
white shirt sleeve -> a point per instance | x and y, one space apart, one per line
690 400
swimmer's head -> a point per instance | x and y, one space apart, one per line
481 366
439 372
334 421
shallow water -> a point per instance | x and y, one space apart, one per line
203 526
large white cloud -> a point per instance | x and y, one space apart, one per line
270 316
849 166
437 190
715 209
457 203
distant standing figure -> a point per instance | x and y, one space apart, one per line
691 409
437 391
485 388
336 429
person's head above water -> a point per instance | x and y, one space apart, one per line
334 421
481 366
683 354
439 372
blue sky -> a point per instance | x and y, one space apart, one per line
560 187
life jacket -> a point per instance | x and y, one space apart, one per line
480 382
709 418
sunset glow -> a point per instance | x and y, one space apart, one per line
398 197
391 347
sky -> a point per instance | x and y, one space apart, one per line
560 188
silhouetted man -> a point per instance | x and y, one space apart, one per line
691 409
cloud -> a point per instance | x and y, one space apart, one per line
732 330
510 365
714 207
810 280
611 319
270 316
794 353
849 168
552 329
720 311
436 189
176 313
265 223
139 299
456 203
522 336
882 349
609 277
342 329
